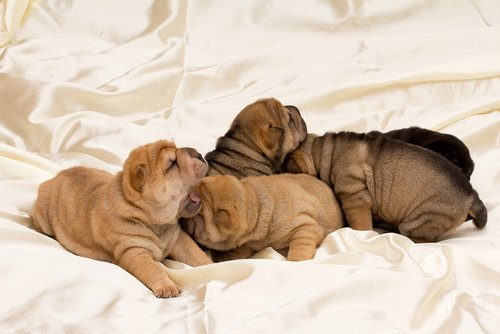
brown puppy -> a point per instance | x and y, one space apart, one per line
285 211
445 144
254 146
129 219
258 140
418 191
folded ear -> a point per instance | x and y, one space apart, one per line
298 121
222 220
293 109
137 177
227 222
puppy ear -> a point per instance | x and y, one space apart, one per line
222 219
292 108
298 121
138 177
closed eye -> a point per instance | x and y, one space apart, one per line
173 163
276 128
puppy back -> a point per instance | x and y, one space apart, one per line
419 159
447 145
58 196
234 157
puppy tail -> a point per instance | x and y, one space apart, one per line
478 212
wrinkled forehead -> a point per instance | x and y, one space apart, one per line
157 152
217 188
263 111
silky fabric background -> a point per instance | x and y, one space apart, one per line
84 82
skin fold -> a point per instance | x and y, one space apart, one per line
259 138
417 191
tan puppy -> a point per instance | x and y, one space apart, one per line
285 211
258 140
129 219
417 191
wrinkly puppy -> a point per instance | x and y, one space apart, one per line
258 140
417 191
285 211
129 219
444 144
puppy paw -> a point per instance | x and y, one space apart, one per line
166 289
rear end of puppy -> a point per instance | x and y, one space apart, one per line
290 213
129 219
417 191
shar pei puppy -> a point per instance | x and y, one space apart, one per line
290 213
258 140
130 219
418 192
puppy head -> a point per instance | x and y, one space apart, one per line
270 129
301 160
221 222
160 178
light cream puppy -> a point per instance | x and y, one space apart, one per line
285 211
130 219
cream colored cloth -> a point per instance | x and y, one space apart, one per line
84 82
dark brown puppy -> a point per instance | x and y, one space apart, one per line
258 140
447 145
420 193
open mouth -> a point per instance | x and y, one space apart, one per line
192 205
194 200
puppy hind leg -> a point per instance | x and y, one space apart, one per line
427 228
359 218
358 211
303 243
356 201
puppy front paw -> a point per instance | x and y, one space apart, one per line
165 289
